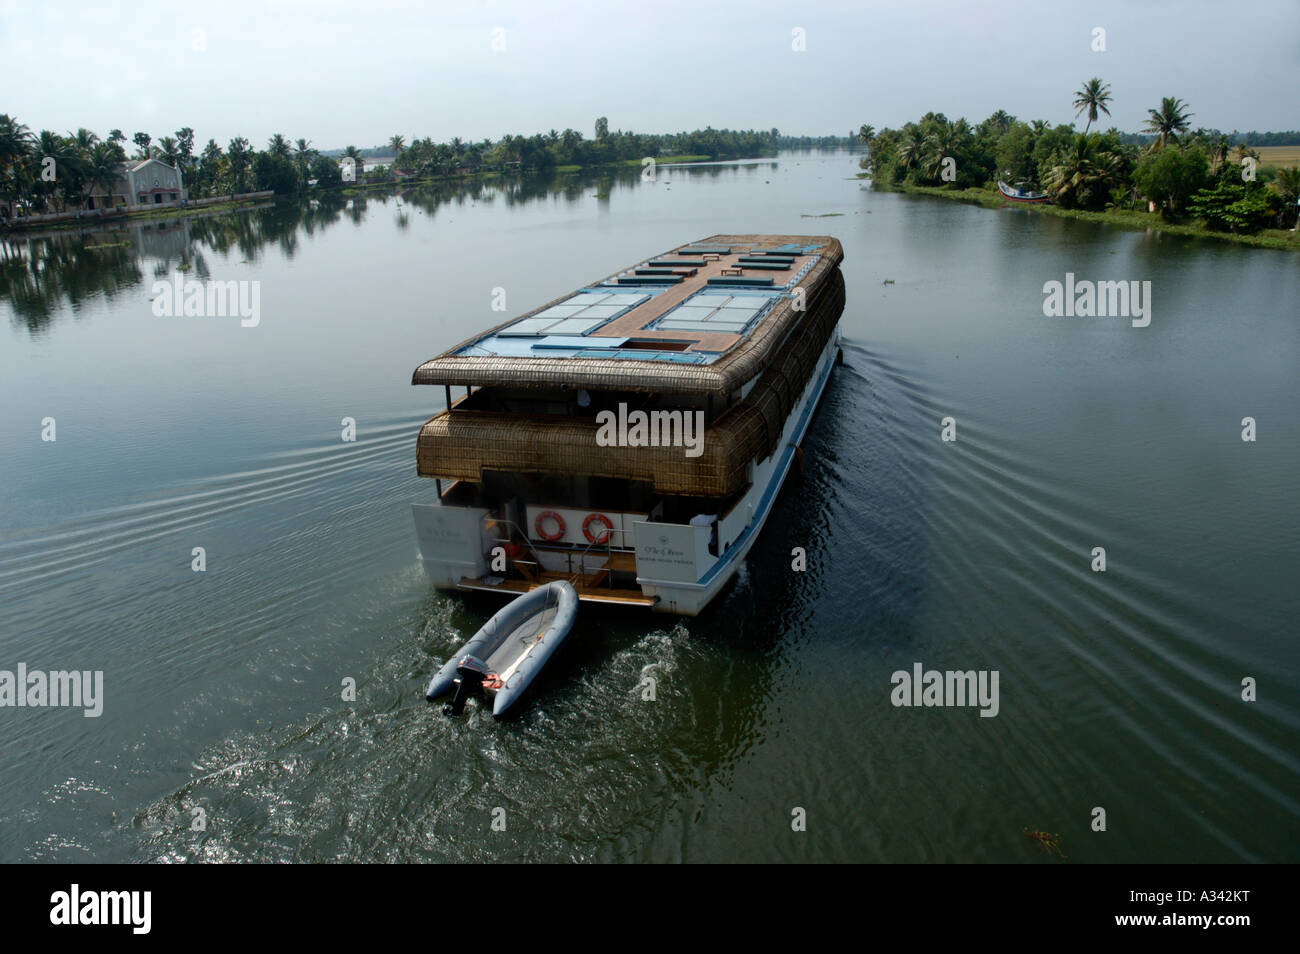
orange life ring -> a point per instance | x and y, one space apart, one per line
559 524
592 518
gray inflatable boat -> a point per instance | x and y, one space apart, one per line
510 650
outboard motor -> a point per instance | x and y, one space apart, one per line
472 672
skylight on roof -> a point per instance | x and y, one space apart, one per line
579 314
715 311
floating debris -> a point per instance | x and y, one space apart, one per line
1048 842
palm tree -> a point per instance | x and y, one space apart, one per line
1287 182
1219 153
84 140
1245 151
303 157
396 144
911 149
210 164
866 134
103 168
68 168
1000 120
278 146
1169 120
943 142
238 155
1083 177
168 150
15 146
1092 97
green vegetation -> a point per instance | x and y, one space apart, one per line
85 163
1124 218
425 158
850 141
1191 182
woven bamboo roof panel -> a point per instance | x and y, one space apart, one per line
745 359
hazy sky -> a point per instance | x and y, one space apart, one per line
358 72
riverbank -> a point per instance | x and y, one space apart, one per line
80 219
1124 218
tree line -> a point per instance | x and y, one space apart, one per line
1182 172
425 157
83 161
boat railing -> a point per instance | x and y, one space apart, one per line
510 523
574 577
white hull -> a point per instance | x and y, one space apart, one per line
689 599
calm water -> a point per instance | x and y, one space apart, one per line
223 689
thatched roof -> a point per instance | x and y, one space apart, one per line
745 359
462 444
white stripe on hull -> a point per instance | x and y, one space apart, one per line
689 599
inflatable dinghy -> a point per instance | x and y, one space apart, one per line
510 650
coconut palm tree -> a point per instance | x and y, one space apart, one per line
239 156
943 142
69 168
303 157
15 143
1000 120
211 161
278 146
168 150
1093 97
1169 120
1084 176
866 134
1245 151
83 140
1219 153
1287 182
15 139
396 144
911 149
103 169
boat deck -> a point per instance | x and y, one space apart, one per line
586 593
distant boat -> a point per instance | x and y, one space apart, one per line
1017 194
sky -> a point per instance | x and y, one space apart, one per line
357 73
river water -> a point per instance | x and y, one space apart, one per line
226 735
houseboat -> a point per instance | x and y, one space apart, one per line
631 437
